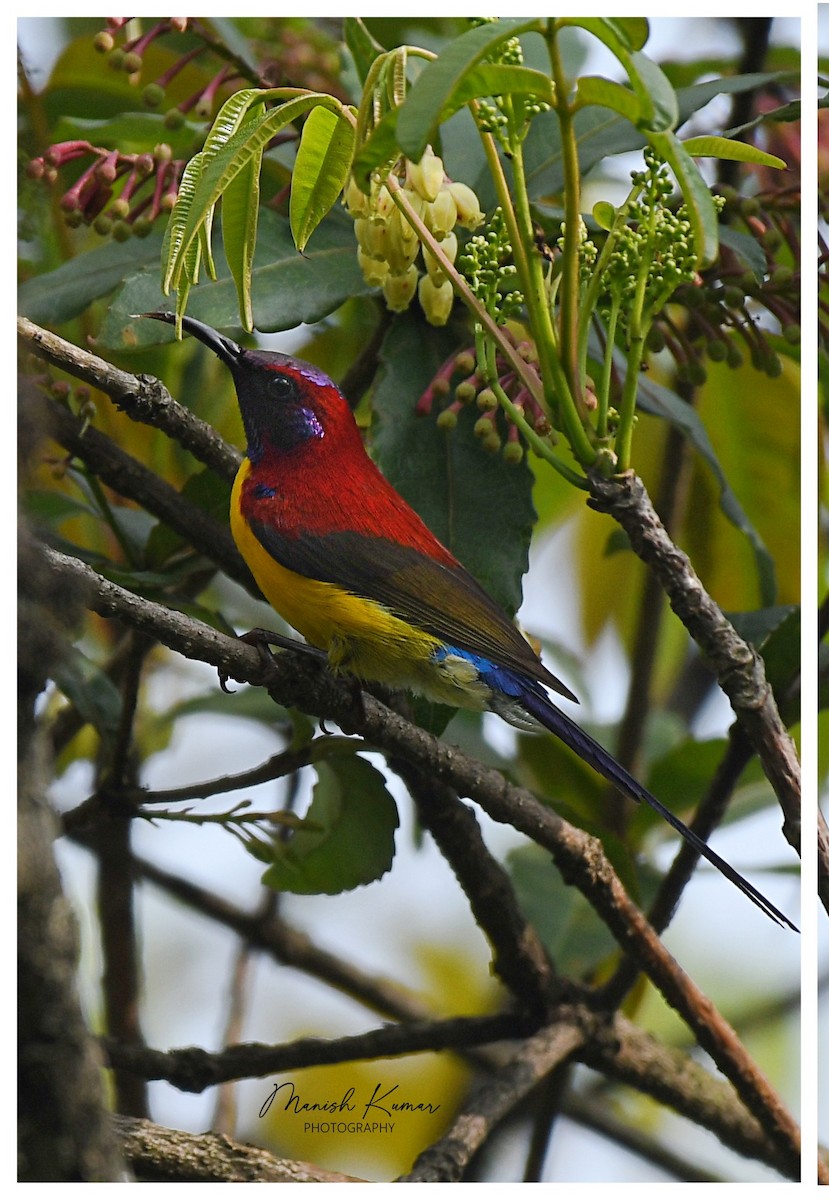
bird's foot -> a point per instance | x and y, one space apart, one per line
262 640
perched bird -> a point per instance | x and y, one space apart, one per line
350 565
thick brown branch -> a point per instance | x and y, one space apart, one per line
160 1155
142 397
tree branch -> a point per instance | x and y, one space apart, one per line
306 685
737 666
160 1155
141 397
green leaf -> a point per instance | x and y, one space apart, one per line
240 221
435 87
59 295
654 398
291 289
570 929
723 147
474 502
322 164
604 214
595 89
747 249
657 98
695 192
378 150
91 691
355 842
364 48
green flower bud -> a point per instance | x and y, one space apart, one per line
401 242
449 246
435 300
399 290
152 95
492 443
448 419
484 426
465 362
441 215
374 270
426 177
356 202
513 453
467 206
487 399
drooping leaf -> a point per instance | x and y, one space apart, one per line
355 842
290 288
320 171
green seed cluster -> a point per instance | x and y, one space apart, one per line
389 251
491 275
493 116
655 240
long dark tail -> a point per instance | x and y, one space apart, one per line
552 718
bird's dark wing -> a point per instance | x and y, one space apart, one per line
443 600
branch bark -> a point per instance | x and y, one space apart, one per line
309 686
736 665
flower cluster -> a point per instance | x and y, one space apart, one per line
388 246
119 194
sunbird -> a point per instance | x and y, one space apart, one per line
343 558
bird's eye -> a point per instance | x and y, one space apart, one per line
280 387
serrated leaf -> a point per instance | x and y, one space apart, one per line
291 288
354 844
432 92
320 172
723 147
246 143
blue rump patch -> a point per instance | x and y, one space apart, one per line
499 679
262 492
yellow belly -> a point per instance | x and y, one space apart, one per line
360 636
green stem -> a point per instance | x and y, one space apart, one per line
607 370
557 393
627 411
533 439
463 289
569 301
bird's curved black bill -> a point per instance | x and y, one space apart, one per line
225 348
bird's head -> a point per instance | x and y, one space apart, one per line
284 402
